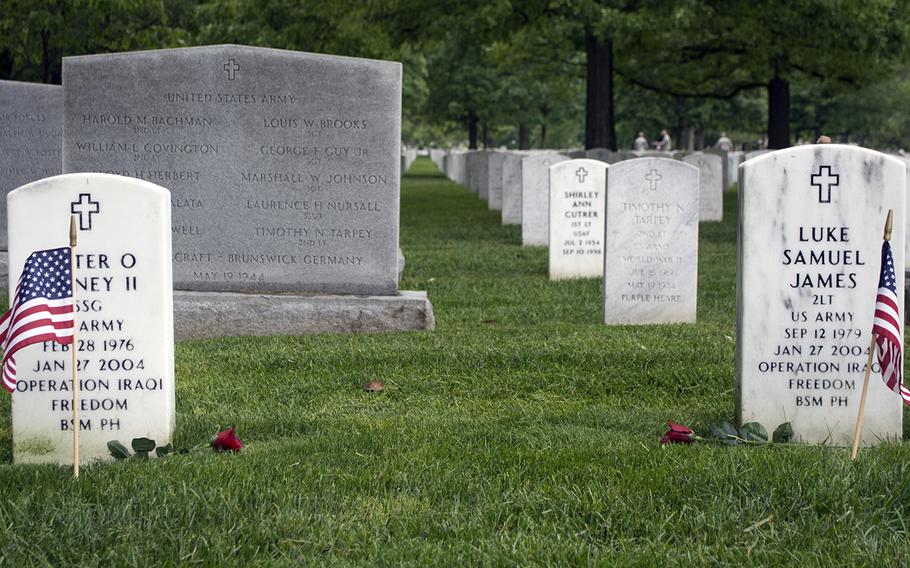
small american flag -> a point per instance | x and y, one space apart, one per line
887 327
42 309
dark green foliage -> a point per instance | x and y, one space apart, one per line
118 450
783 433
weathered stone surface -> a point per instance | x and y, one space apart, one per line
482 174
201 315
577 190
283 166
535 198
734 159
31 134
511 188
124 317
651 263
495 180
811 220
725 167
710 182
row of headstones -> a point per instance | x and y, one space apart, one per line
408 157
641 236
810 230
515 182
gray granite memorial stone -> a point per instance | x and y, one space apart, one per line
283 166
31 133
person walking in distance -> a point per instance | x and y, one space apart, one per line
664 144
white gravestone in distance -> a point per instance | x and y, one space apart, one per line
577 190
124 317
535 198
482 174
811 222
511 189
651 263
711 185
495 180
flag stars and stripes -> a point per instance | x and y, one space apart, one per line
887 327
42 308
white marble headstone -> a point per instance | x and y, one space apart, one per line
511 189
811 223
577 190
651 264
535 198
124 316
495 180
482 173
711 188
734 159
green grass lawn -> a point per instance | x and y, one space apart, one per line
521 431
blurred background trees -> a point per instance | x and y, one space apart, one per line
546 73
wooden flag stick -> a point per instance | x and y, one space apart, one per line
862 401
873 345
73 349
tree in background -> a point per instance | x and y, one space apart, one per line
35 35
545 73
717 50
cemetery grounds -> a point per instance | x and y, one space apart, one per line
521 431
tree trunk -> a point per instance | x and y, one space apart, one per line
699 137
485 134
472 131
544 116
45 56
600 127
524 136
778 114
6 64
681 140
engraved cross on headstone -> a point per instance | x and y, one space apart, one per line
230 68
824 180
85 208
653 177
582 173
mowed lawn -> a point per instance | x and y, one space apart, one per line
521 431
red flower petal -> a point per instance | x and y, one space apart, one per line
678 434
674 427
227 441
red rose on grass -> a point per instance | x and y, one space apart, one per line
227 441
677 434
